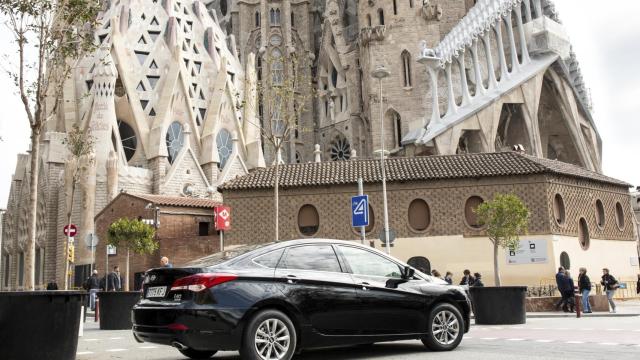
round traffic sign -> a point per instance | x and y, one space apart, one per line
70 230
392 236
91 240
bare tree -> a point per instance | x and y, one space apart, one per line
49 36
285 94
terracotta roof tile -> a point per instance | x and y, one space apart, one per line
411 169
163 200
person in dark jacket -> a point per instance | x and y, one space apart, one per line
638 285
560 284
448 277
584 287
569 291
478 280
467 279
92 285
114 280
52 285
610 286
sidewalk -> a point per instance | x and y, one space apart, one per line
627 308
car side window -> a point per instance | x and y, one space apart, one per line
363 262
270 259
311 257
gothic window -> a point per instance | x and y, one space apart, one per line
395 7
274 16
406 68
397 127
381 17
223 7
257 18
225 147
369 20
298 157
340 150
277 68
293 19
174 140
411 3
128 139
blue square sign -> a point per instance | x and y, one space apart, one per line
360 211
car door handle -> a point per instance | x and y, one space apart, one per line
365 285
291 279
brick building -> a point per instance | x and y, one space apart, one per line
583 217
185 231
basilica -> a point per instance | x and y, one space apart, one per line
173 97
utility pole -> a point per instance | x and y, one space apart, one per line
380 73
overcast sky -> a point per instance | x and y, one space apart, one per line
605 36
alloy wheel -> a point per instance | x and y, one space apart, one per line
445 327
272 339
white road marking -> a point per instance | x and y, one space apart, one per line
116 350
544 341
489 339
90 339
608 344
575 342
539 328
115 338
84 353
155 347
517 328
515 339
614 329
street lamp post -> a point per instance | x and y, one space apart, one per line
380 73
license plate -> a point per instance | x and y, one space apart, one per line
157 291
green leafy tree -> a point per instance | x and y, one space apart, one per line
506 217
133 235
49 37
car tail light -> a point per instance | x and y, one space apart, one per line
178 327
201 282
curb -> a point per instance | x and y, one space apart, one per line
604 315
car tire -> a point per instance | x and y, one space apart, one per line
266 332
444 329
197 354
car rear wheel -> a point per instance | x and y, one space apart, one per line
197 354
270 335
446 328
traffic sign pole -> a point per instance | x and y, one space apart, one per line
363 235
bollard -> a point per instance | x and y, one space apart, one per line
81 327
578 302
96 314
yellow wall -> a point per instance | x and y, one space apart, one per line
456 253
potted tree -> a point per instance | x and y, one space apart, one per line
135 237
49 37
505 218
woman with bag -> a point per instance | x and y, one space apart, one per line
610 286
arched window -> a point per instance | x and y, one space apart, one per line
340 149
277 67
308 220
257 18
369 20
224 143
558 209
406 68
470 208
259 67
411 3
274 16
293 19
395 7
174 140
223 7
128 139
381 16
419 215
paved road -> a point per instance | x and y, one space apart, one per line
560 338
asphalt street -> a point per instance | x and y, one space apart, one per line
557 338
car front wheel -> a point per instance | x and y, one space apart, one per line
446 328
270 335
197 354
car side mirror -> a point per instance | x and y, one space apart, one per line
408 273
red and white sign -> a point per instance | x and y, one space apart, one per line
70 230
223 217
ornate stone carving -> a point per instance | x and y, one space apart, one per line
431 10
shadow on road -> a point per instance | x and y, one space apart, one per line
354 352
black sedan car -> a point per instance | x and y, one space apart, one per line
275 301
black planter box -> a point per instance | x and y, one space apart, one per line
36 325
115 309
503 305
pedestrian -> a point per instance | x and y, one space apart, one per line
560 284
584 287
569 290
52 285
164 262
610 286
114 280
449 277
467 279
478 280
638 285
93 286
436 273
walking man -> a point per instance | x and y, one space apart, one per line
610 286
93 285
561 287
114 280
569 292
164 262
584 286
467 279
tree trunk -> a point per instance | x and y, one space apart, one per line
275 200
496 266
68 240
126 279
30 254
